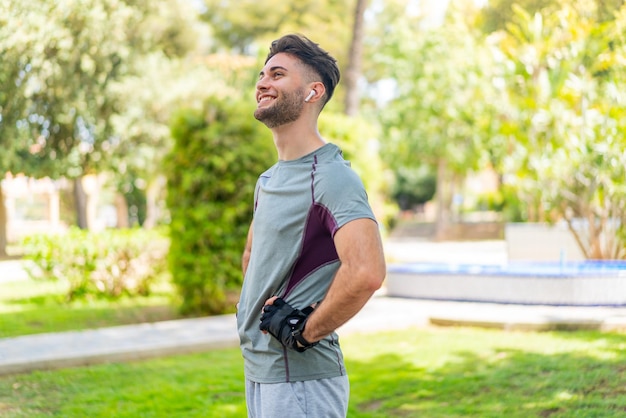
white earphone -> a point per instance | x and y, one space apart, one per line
311 94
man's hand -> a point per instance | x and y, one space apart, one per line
286 324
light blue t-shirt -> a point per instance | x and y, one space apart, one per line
298 207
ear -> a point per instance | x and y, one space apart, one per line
319 89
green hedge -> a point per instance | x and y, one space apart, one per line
218 154
108 264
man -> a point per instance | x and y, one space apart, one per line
313 256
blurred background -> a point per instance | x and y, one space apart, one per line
467 120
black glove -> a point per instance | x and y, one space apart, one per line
286 324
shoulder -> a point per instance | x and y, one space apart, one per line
334 169
338 182
338 174
266 175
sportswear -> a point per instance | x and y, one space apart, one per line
327 398
298 207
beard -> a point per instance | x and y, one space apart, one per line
285 109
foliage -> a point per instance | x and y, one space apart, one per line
83 88
542 103
70 56
244 25
566 125
414 372
164 86
22 26
245 28
441 91
413 187
506 201
218 154
440 112
10 84
69 73
109 264
498 13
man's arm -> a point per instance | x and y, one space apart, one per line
245 257
361 273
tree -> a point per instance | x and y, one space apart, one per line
355 56
497 14
567 85
244 26
442 101
22 25
70 59
167 75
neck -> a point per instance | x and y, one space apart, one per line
293 141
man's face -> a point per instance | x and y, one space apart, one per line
280 91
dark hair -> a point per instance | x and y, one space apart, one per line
311 55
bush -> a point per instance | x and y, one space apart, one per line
107 264
414 186
217 157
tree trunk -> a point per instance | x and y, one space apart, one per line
3 225
80 202
121 211
353 71
443 199
152 202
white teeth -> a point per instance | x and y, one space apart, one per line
265 99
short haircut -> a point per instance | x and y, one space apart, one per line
312 56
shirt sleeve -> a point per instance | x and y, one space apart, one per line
340 190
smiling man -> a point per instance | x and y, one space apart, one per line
314 254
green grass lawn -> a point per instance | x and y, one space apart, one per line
28 307
434 372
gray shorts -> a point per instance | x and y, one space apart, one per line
326 398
